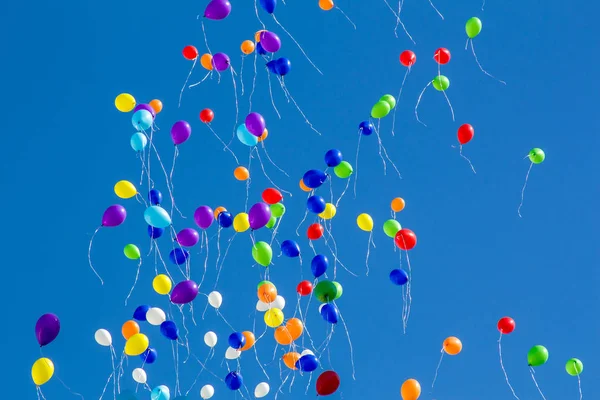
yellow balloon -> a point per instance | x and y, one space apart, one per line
136 344
365 222
42 370
329 211
274 317
125 189
125 102
241 223
162 284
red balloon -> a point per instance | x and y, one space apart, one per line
465 133
304 288
406 239
190 52
506 325
327 383
315 231
408 58
442 56
272 196
207 115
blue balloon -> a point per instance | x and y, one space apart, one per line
179 256
149 356
169 330
234 380
399 277
140 312
366 128
307 363
330 313
225 219
155 197
142 120
246 137
289 248
160 393
272 66
284 66
155 233
138 141
333 158
260 50
319 265
237 340
126 394
315 204
268 5
157 216
314 178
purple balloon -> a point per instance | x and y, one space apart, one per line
259 215
180 132
255 123
217 10
221 61
145 107
184 292
47 328
114 216
203 216
188 237
270 41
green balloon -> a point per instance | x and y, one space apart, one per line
441 83
132 252
391 227
473 27
380 109
391 100
277 210
339 288
343 170
538 355
325 291
262 253
261 283
271 222
574 367
537 156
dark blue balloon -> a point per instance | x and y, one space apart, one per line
316 204
260 50
319 265
284 66
169 330
140 312
149 356
366 128
155 233
268 5
398 277
289 248
179 256
307 363
272 66
333 158
330 313
155 197
314 178
234 380
237 340
225 219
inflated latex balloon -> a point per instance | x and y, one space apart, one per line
473 27
319 265
241 222
408 58
366 128
225 219
139 375
190 52
574 367
184 292
250 340
124 102
169 330
307 363
399 277
267 293
277 210
156 105
232 354
405 239
125 189
411 390
314 178
268 6
465 133
142 120
391 227
290 359
325 291
262 306
273 317
442 56
179 256
330 313
283 336
204 217
272 196
278 303
506 325
129 329
295 327
441 83
316 204
537 156
340 290
329 211
221 62
114 216
452 345
259 215
255 123
157 217
261 390
103 337
333 158
149 356
206 62
160 393
132 252
236 340
315 231
156 316
247 47
343 170
391 100
138 141
262 253
290 248
210 339
136 344
537 355
155 197
398 204
207 392
380 109
188 237
42 371
234 380
215 299
217 10
162 284
47 329
304 288
245 136
365 222
327 383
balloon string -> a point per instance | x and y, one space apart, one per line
186 81
253 83
223 318
225 147
504 370
398 20
90 254
249 180
382 147
349 343
480 67
150 140
418 102
343 192
483 5
297 44
137 275
165 264
523 191
203 365
436 10
368 252
40 394
199 82
242 75
301 222
409 286
334 251
204 236
69 389
218 248
205 38
272 162
271 94
257 17
173 205
437 369
224 257
113 358
282 384
347 17
579 384
254 347
237 105
469 161
106 385
356 162
531 371
265 173
397 100
449 104
175 155
285 89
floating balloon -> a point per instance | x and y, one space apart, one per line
327 383
333 158
261 390
155 233
262 253
145 107
124 102
129 329
344 170
442 56
132 252
184 292
268 6
47 328
441 83
315 231
283 336
408 58
405 239
295 327
206 62
452 345
290 359
314 178
391 100
156 105
270 41
264 135
399 277
160 393
178 256
319 265
203 216
277 210
155 197
142 120
289 248
329 211
180 132
221 61
241 173
473 27
365 222
236 340
255 124
366 128
234 380
380 109
225 219
267 293
279 302
506 325
241 222
330 313
217 10
304 288
303 186
537 355
138 141
272 196
247 47
391 227
156 316
188 237
207 392
190 52
537 156
140 312
210 339
157 217
42 371
307 363
574 367
245 136
465 133
139 375
169 330
411 390
103 337
114 216
136 344
325 291
149 356
250 340
273 317
125 189
316 204
162 284
215 299
259 215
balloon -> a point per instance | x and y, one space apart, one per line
264 135
156 105
408 58
259 48
129 329
398 204
210 339
142 120
365 222
319 265
290 359
103 337
330 313
188 237
169 330
366 128
574 367
241 222
206 61
221 62
155 233
190 52
325 291
280 66
203 216
47 328
537 156
307 363
283 336
145 107
268 5
232 354
157 217
295 327
289 248
184 292
132 252
399 277
473 27
537 355
180 132
160 393
442 56
245 136
255 124
149 356
267 293
316 204
136 344
207 392
125 102
261 390
380 109
304 288
340 290
391 227
411 389
279 302
271 223
155 316
329 211
326 5
303 186
247 47
140 312
250 340
155 197
178 256
270 42
138 141
261 306
333 158
314 178
42 371
114 216
215 299
241 173
225 220
465 133
277 210
441 83
327 383
125 189
405 239
506 325
344 170
217 10
207 115
236 340
234 380
162 284
452 345
315 231
218 211
272 196
273 317
139 375
259 215
391 100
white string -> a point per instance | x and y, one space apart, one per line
356 162
449 104
203 79
523 190
349 343
397 100
418 102
265 173
503 369
186 80
271 161
286 90
271 94
242 74
225 147
297 44
437 369
532 372
347 17
436 10
90 254
579 383
399 21
480 67
137 275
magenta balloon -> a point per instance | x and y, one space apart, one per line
221 61
270 41
259 215
203 216
184 292
47 328
145 107
180 132
217 10
188 237
255 123
114 216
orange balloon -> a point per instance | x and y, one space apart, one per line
241 173
218 211
304 187
129 329
267 293
326 4
206 61
398 204
283 336
289 359
156 105
247 47
250 340
411 390
263 136
452 345
294 327
257 35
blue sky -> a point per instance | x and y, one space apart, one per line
65 146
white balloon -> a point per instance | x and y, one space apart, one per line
215 299
139 375
210 339
262 307
232 354
261 390
155 316
103 337
307 351
278 303
207 392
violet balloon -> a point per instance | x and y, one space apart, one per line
146 107
221 61
184 292
270 41
255 123
180 132
259 215
114 216
47 328
217 10
188 237
203 216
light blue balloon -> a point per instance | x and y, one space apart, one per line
246 137
160 393
157 217
142 120
138 141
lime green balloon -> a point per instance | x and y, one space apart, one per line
574 367
538 355
277 210
262 283
537 156
391 100
391 227
441 83
271 222
340 290
262 253
473 27
132 252
380 109
343 170
325 291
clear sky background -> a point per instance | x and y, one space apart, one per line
65 146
